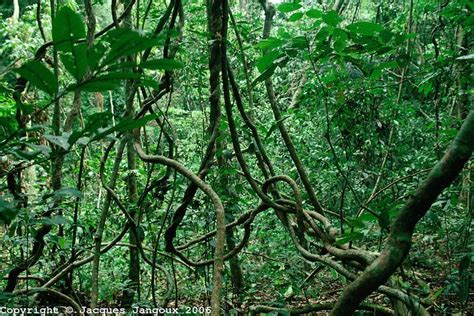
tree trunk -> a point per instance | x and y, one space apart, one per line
16 12
398 243
134 259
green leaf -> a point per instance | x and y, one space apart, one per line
289 292
365 28
267 59
331 18
388 64
340 40
376 73
132 49
356 223
75 62
386 36
162 63
125 42
288 7
108 81
324 33
295 16
269 43
282 33
314 14
348 237
61 141
129 124
122 65
95 54
98 85
39 76
339 45
426 88
274 127
265 75
328 78
148 82
369 43
67 28
94 123
299 42
126 125
7 212
26 155
5 296
384 49
368 217
434 295
37 149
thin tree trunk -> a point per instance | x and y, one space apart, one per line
134 259
229 197
16 12
100 228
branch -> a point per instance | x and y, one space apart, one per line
220 217
399 241
60 295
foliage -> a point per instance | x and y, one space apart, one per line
368 96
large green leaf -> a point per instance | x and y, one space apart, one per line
126 42
295 16
95 54
39 76
108 81
314 14
94 123
98 85
265 75
348 237
340 40
61 141
365 28
288 7
267 59
7 211
125 125
299 42
269 43
162 63
75 62
68 27
324 33
331 18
